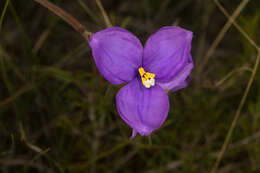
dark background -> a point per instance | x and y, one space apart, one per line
57 114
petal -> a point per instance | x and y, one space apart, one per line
117 54
180 81
142 109
167 52
134 132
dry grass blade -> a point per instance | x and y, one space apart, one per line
234 122
90 12
246 141
221 35
23 138
224 11
8 59
36 157
106 18
20 162
238 70
44 36
66 17
84 165
3 13
16 95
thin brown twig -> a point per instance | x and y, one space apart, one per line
234 122
66 17
106 18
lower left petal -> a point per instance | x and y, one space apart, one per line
143 109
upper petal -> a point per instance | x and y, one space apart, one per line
117 54
142 109
167 52
181 80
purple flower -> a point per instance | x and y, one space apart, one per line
163 64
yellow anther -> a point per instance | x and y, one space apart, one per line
147 78
141 71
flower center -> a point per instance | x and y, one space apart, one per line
147 78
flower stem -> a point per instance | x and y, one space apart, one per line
66 17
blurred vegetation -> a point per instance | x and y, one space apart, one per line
57 114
